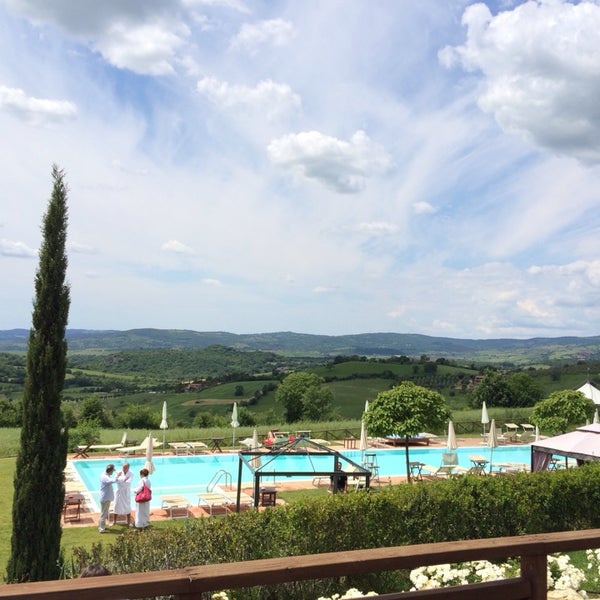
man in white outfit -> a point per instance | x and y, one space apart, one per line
123 495
107 495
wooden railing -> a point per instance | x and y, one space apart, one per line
191 582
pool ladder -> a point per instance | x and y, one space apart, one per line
216 478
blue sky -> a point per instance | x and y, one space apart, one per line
325 167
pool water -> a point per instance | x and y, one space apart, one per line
189 475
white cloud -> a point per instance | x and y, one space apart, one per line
16 249
541 75
268 98
339 165
81 248
422 208
274 32
38 111
148 49
211 282
177 247
236 5
376 228
144 37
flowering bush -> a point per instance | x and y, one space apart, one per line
351 593
562 574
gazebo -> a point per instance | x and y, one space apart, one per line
591 392
320 461
583 444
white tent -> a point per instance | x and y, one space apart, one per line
589 391
582 444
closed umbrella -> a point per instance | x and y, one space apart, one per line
255 461
492 440
363 439
537 433
149 447
163 424
451 442
596 417
485 419
366 405
234 422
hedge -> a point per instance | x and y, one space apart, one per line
469 507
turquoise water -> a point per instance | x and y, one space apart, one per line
189 475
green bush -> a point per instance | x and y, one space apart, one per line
469 507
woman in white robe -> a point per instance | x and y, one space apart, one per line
142 509
123 496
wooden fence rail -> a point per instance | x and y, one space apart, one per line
191 582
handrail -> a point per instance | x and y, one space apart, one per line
188 583
217 477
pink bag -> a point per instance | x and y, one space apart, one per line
144 495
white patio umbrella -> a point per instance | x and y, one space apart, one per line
537 433
492 440
163 424
366 405
255 461
485 419
596 417
234 422
149 448
363 446
451 442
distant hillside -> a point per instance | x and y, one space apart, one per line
531 351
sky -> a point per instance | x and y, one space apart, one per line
317 166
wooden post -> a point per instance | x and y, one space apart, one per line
534 569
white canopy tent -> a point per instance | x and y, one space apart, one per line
591 392
581 444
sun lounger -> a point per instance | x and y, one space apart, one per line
109 447
180 448
127 450
212 500
176 506
441 472
197 447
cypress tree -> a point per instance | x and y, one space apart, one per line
38 484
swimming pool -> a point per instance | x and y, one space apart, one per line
188 475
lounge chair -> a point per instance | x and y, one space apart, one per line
212 500
441 472
110 447
82 451
127 450
180 448
197 447
176 506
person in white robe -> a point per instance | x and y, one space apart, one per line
142 509
122 505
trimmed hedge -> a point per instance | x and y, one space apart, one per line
469 507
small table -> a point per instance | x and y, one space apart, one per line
416 469
350 443
268 496
72 507
216 444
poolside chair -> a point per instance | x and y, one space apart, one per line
428 472
176 506
180 448
212 500
111 447
449 459
127 450
197 447
82 451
